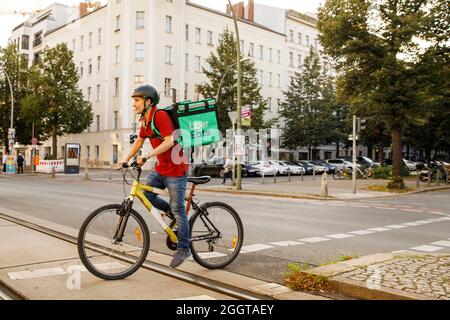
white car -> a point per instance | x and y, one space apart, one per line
279 166
340 163
294 168
410 164
264 167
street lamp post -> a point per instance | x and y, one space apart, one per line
11 140
238 109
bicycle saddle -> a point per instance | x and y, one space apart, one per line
199 180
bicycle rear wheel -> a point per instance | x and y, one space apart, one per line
217 235
105 257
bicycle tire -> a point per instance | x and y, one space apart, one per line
337 175
82 248
204 262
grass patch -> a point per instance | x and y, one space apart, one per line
377 187
341 258
296 279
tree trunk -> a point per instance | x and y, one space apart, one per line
54 144
380 154
309 153
397 179
337 148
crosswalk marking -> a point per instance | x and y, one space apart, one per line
443 243
395 226
361 232
286 243
254 247
426 248
314 239
340 236
379 229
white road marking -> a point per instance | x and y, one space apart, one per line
423 221
379 229
388 208
395 226
412 210
38 273
286 243
359 206
426 248
314 239
437 212
361 232
444 243
340 236
254 247
202 297
411 224
209 255
445 218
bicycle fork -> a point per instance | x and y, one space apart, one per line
123 213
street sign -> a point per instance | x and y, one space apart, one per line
34 141
239 145
350 137
246 114
232 115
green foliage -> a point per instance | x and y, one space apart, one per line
220 62
56 103
385 172
296 279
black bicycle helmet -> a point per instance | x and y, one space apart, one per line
147 92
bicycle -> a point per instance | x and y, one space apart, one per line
366 174
114 240
342 173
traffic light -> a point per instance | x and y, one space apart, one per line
360 124
133 137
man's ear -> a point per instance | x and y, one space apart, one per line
148 102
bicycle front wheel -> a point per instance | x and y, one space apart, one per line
217 235
109 258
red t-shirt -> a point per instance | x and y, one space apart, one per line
168 165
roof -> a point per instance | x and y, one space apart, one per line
301 16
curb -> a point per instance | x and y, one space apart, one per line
360 289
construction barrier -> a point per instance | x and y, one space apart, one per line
45 166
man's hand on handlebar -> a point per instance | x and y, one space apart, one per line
141 160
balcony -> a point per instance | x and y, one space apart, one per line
37 41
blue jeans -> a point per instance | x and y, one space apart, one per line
177 193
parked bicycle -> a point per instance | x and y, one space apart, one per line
347 173
114 240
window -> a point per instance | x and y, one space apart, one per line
88 152
25 42
116 54
186 32
97 122
81 43
115 155
269 104
307 41
90 40
89 94
167 86
73 45
169 24
116 118
197 64
168 55
299 60
269 80
97 152
117 23
139 51
99 37
198 34
291 59
99 60
138 79
278 81
278 105
186 87
81 69
261 52
299 37
278 56
186 61
241 47
261 78
291 35
140 18
98 92
270 54
116 87
209 38
90 66
250 50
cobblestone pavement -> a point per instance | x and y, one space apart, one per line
427 275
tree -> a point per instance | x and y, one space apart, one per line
308 106
56 103
220 62
16 67
374 43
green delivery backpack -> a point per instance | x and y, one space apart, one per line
195 122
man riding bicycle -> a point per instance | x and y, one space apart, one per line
167 173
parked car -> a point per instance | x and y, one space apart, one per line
330 167
280 167
306 165
263 167
340 163
366 162
252 170
320 167
295 169
412 166
213 167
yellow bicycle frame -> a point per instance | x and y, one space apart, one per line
137 191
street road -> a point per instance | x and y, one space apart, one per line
277 231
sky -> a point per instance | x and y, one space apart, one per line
9 21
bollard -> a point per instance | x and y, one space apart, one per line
302 174
438 176
446 176
324 185
275 177
262 176
417 179
314 173
429 177
289 175
110 174
53 171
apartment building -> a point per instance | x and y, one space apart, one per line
127 43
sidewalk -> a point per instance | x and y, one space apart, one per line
405 275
